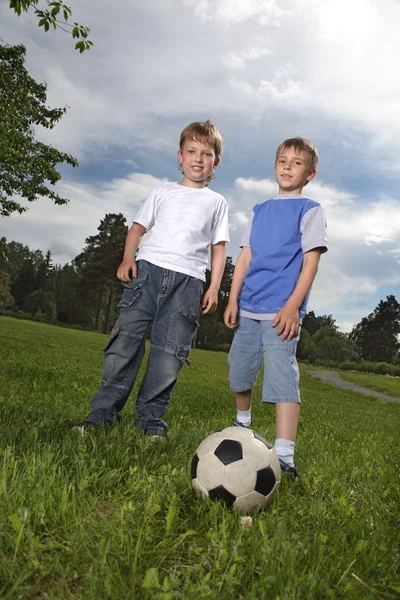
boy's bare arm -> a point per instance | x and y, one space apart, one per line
288 316
218 259
132 242
240 272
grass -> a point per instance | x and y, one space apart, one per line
113 515
380 383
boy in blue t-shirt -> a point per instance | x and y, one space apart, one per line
270 288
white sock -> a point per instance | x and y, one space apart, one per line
285 450
244 417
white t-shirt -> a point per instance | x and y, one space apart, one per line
184 222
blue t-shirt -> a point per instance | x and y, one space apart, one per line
282 230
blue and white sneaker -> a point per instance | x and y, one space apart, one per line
291 472
236 423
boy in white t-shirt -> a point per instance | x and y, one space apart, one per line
164 285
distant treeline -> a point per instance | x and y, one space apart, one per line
86 293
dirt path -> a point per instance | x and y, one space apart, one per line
334 379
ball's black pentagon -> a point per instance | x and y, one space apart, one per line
265 481
195 462
263 440
229 451
221 494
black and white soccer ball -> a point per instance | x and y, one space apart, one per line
238 467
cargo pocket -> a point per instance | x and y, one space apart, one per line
130 294
181 330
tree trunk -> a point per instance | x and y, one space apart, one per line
108 309
98 310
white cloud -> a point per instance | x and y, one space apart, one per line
263 70
262 186
344 327
233 61
239 61
63 229
264 12
353 269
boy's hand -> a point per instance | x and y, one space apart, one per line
210 301
125 269
288 320
230 315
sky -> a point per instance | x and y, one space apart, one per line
262 71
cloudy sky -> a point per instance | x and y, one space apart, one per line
262 71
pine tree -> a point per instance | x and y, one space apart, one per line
377 336
98 264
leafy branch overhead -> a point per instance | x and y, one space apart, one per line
55 16
26 165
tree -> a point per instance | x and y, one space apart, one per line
49 18
26 165
6 298
45 276
330 344
98 264
210 329
377 336
72 305
42 301
312 323
22 264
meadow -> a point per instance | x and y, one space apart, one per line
112 515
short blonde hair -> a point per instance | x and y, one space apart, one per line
203 131
301 145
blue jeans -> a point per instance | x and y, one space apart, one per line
171 302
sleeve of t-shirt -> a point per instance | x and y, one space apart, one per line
313 230
147 212
245 240
220 232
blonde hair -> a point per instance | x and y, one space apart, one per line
301 145
203 131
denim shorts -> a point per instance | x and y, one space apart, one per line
255 342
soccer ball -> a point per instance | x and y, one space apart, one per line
238 467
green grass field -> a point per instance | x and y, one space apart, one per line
379 383
111 516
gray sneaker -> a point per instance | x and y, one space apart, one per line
236 423
291 472
155 435
84 427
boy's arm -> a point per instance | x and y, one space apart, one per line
218 259
240 272
288 316
132 242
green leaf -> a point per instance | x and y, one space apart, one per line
150 580
27 166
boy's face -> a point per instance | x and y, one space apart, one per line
198 160
293 170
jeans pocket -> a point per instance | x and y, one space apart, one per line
130 294
181 330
